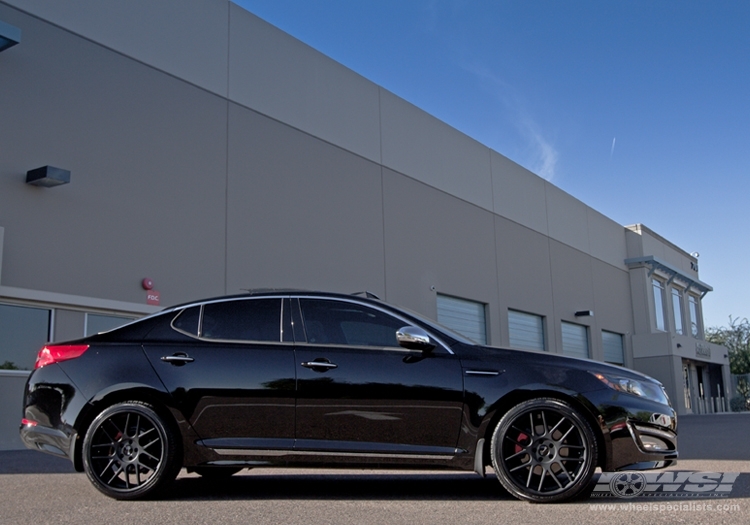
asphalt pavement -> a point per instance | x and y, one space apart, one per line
45 489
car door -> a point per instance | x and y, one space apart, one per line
358 391
234 380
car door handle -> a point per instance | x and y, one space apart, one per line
177 359
320 364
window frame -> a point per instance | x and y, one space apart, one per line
49 332
696 324
678 310
436 339
127 320
200 335
335 303
660 318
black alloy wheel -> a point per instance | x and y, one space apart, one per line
130 452
544 451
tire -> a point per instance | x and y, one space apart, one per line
544 451
131 452
216 473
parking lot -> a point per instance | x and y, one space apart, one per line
45 489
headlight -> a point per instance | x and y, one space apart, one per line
645 389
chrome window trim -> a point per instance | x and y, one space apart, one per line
374 307
399 349
200 337
281 297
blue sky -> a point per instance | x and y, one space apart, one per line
639 108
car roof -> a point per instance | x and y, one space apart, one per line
265 292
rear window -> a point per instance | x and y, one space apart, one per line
242 320
187 321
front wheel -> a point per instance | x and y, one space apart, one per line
544 451
130 451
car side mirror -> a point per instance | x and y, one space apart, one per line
414 338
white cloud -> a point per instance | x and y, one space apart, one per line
543 156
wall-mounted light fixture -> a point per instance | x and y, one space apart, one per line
584 313
48 176
9 36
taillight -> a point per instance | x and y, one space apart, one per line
28 423
55 353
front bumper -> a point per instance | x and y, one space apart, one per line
639 433
642 440
642 447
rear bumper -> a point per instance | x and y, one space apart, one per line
51 402
50 440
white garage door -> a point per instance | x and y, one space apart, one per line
525 330
463 316
575 340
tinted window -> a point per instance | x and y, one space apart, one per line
188 320
342 323
243 320
23 332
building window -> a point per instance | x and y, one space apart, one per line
659 304
677 311
526 330
575 340
695 323
96 323
465 317
23 332
613 348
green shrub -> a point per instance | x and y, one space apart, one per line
738 404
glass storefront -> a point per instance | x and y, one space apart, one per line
23 332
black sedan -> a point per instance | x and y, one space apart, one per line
320 379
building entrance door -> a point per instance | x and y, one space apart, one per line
686 387
701 391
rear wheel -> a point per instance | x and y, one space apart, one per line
130 451
544 451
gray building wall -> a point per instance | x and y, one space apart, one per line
214 153
184 180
